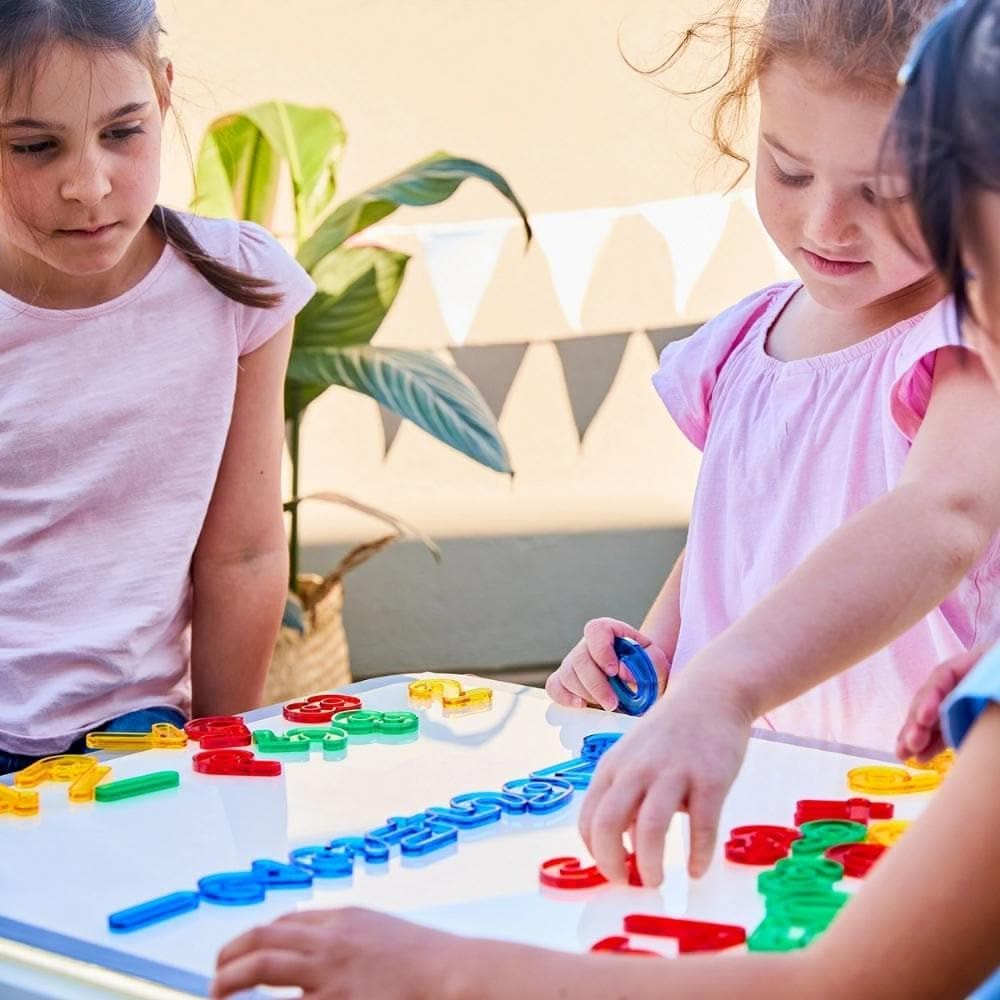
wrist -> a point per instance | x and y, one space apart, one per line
729 686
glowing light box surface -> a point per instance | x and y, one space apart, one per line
63 872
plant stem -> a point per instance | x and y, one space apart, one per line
293 542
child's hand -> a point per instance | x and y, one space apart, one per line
683 754
582 678
336 955
920 735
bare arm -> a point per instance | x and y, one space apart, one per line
663 621
240 566
886 567
872 579
923 925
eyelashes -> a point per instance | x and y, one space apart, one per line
118 136
867 193
790 180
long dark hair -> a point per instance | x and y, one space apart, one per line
28 27
946 129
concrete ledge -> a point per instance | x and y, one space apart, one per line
498 602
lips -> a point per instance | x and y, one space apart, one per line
832 267
85 232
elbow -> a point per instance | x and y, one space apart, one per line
964 527
265 562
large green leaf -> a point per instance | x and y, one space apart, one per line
238 164
415 384
298 396
236 174
357 285
425 183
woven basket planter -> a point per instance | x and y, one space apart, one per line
318 658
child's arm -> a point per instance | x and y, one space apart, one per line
663 620
875 577
923 925
240 565
582 677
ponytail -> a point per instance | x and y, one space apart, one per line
247 289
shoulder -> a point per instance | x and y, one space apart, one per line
914 361
219 238
712 343
233 241
740 318
689 369
936 328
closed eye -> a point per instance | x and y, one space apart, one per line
791 180
123 134
32 148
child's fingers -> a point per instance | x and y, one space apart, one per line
569 677
913 741
704 807
562 695
250 941
282 935
927 710
599 635
595 682
599 785
270 967
612 817
650 835
933 747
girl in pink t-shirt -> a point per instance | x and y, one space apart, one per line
142 355
843 539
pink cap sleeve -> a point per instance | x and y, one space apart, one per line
260 254
914 368
690 368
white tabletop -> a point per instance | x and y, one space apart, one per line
64 871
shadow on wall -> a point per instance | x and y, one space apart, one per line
496 604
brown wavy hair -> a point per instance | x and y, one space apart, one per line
29 27
861 42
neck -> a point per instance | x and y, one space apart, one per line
909 301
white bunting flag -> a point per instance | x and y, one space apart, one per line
692 228
461 260
571 242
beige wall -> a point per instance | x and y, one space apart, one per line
538 89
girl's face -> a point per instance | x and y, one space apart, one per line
80 163
981 256
819 192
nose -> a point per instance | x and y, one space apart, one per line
830 221
88 180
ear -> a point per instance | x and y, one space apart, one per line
166 85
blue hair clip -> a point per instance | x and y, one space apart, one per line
639 701
919 48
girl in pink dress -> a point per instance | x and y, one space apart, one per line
844 538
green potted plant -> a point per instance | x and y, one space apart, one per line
239 169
